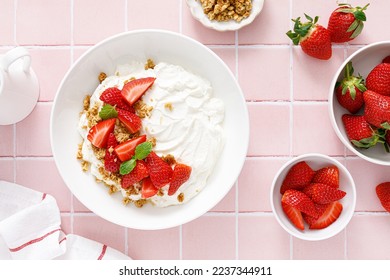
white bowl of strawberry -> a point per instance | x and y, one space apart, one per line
313 197
146 135
359 103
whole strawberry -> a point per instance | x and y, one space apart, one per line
383 193
360 132
349 92
346 23
313 38
378 79
377 109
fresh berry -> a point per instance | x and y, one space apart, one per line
181 173
299 201
160 172
329 216
320 208
386 59
113 97
327 175
346 23
360 132
313 38
323 194
148 189
377 109
126 150
139 172
349 91
387 137
383 193
130 120
111 161
299 176
98 134
133 90
378 79
294 215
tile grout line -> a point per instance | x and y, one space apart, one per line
14 125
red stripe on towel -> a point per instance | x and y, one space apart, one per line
33 241
43 196
103 252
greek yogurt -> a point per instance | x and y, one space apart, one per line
186 121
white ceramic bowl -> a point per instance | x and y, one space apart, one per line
160 46
315 161
363 61
197 12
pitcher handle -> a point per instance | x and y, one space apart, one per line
13 55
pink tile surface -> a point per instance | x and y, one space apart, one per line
94 20
154 245
7 13
277 11
274 87
197 243
33 133
6 140
34 24
286 93
262 238
41 174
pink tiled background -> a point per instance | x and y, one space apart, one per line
286 94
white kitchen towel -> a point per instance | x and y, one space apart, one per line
30 228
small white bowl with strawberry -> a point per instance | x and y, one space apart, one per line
313 197
359 103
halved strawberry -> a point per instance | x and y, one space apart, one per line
160 172
148 189
320 208
133 90
299 176
98 134
294 215
329 216
181 173
139 172
130 120
126 150
323 194
383 193
111 161
114 97
300 201
328 175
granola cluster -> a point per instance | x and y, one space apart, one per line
225 10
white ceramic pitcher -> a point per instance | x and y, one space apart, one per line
19 87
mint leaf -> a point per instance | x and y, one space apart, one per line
143 150
108 112
127 166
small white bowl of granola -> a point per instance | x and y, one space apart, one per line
149 137
225 15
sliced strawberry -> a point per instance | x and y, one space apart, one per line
111 161
98 134
114 97
323 194
294 215
139 172
330 215
181 173
299 176
133 90
383 193
130 120
299 201
328 175
320 208
148 189
126 150
160 172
